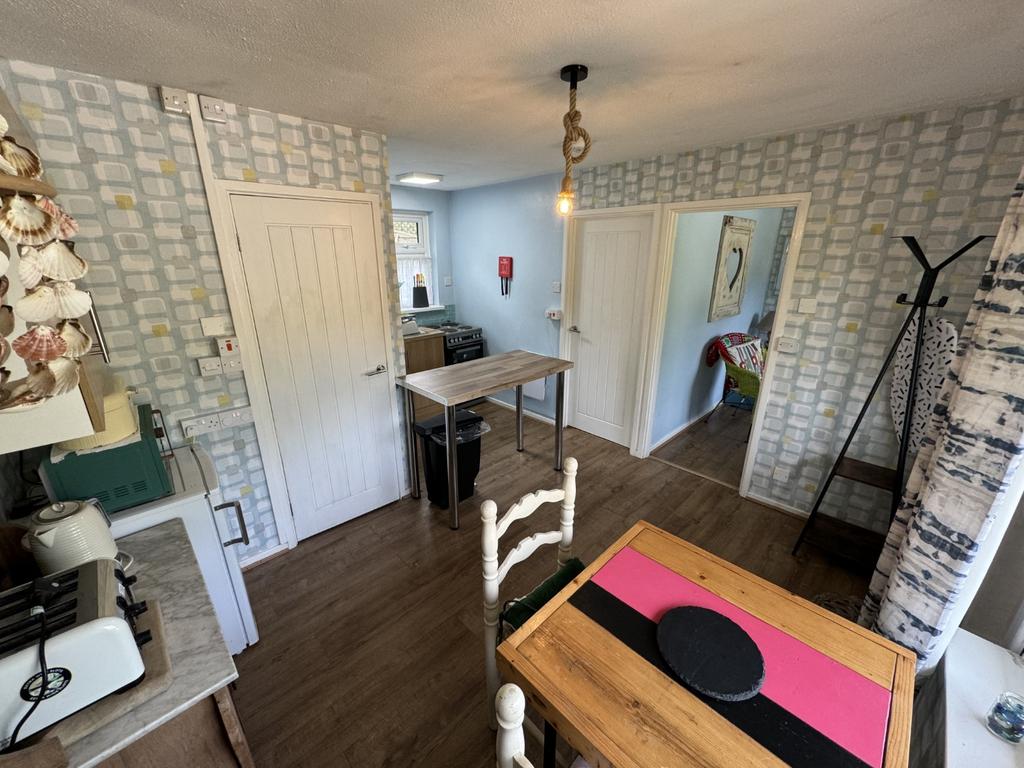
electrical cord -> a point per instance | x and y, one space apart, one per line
43 686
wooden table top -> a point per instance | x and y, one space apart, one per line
588 661
462 382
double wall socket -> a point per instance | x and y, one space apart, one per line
212 422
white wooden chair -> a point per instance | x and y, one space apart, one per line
510 746
494 574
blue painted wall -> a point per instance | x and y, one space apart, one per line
687 388
437 203
516 219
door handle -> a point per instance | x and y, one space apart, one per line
378 370
573 329
244 538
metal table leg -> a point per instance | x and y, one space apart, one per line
519 418
559 418
410 447
453 467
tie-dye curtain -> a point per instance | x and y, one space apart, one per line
961 482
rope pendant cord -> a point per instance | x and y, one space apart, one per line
574 133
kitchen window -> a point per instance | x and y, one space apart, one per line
412 242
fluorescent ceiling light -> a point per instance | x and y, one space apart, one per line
422 179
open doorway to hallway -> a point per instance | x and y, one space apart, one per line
727 274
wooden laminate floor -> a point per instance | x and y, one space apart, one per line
371 633
715 448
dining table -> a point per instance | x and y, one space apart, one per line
832 694
454 385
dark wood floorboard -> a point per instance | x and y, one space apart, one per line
714 448
371 633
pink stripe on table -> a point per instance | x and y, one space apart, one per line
844 705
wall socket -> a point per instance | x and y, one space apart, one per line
210 366
212 422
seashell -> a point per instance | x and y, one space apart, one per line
40 343
59 261
40 380
65 374
26 162
71 302
5 261
22 221
79 342
5 350
4 285
4 376
38 305
68 225
6 319
30 268
4 126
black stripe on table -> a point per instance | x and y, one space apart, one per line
780 732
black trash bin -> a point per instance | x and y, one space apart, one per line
468 429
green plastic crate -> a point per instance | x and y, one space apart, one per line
119 477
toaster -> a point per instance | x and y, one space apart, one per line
91 645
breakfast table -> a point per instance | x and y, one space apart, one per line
454 385
833 693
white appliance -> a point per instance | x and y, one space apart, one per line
197 501
66 534
90 646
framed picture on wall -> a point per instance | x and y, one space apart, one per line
731 268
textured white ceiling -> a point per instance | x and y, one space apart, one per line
471 89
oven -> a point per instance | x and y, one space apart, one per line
462 343
463 352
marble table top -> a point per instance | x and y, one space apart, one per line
200 662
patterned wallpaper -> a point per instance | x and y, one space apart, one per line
942 175
130 174
771 294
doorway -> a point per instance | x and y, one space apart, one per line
316 346
608 269
725 270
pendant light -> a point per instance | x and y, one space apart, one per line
574 133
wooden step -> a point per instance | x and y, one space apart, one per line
867 473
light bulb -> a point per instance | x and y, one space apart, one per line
564 204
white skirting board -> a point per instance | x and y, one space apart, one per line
675 432
526 411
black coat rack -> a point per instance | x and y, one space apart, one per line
886 478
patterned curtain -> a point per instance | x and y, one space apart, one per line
960 483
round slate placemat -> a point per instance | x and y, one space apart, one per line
711 653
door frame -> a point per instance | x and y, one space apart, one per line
571 235
245 327
659 307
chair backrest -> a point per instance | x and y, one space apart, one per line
494 574
739 349
510 710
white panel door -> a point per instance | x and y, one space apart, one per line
312 274
611 263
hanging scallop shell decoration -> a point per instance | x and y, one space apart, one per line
71 302
38 305
40 343
58 261
25 162
47 267
66 375
68 225
79 342
30 268
23 221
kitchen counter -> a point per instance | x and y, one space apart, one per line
200 662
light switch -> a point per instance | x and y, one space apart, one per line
786 344
556 287
210 366
448 282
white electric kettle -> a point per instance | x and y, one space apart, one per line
68 533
